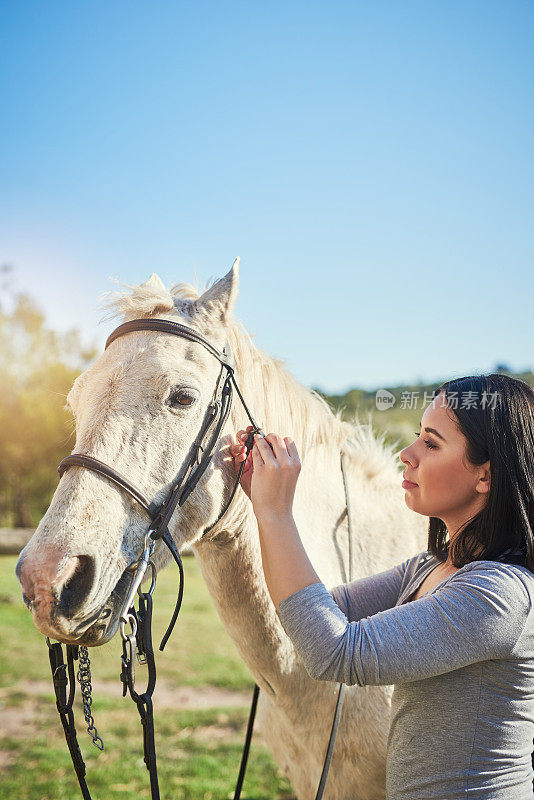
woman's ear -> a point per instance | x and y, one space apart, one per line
484 482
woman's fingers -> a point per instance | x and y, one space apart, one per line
271 449
242 436
257 459
292 449
284 448
237 449
264 449
279 446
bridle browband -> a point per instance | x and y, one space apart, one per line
139 641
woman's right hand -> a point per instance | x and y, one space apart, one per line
239 453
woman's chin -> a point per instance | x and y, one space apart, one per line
414 504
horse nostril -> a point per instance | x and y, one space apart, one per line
26 580
75 590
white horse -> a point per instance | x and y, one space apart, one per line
138 408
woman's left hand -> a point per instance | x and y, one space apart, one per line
276 470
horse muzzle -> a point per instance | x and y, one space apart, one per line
61 595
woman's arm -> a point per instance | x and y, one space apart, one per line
269 479
363 597
286 565
479 614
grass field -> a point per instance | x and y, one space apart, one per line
201 708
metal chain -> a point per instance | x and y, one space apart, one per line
84 679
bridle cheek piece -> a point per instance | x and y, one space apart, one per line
138 641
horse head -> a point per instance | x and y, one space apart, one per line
138 408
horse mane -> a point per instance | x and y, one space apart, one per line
307 417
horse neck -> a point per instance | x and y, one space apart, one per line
231 561
278 402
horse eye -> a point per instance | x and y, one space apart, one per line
182 397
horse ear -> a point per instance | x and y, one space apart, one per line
219 299
154 283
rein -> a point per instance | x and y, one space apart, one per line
137 643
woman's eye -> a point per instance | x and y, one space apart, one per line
182 397
427 442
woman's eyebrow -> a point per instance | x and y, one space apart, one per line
433 430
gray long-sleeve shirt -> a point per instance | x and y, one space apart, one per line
462 661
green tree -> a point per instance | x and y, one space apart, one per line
37 368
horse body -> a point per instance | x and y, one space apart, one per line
73 571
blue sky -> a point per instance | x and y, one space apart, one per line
371 164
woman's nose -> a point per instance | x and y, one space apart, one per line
405 456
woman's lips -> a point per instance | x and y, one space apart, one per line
408 484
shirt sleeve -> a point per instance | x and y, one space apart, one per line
478 614
367 596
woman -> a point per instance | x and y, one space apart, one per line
452 628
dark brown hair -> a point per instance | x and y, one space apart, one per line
495 413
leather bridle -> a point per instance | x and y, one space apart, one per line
200 455
139 641
202 449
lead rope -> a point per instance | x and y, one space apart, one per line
342 686
63 678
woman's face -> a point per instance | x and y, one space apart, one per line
448 486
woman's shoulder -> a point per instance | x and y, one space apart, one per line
500 567
503 579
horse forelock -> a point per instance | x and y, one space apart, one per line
150 300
